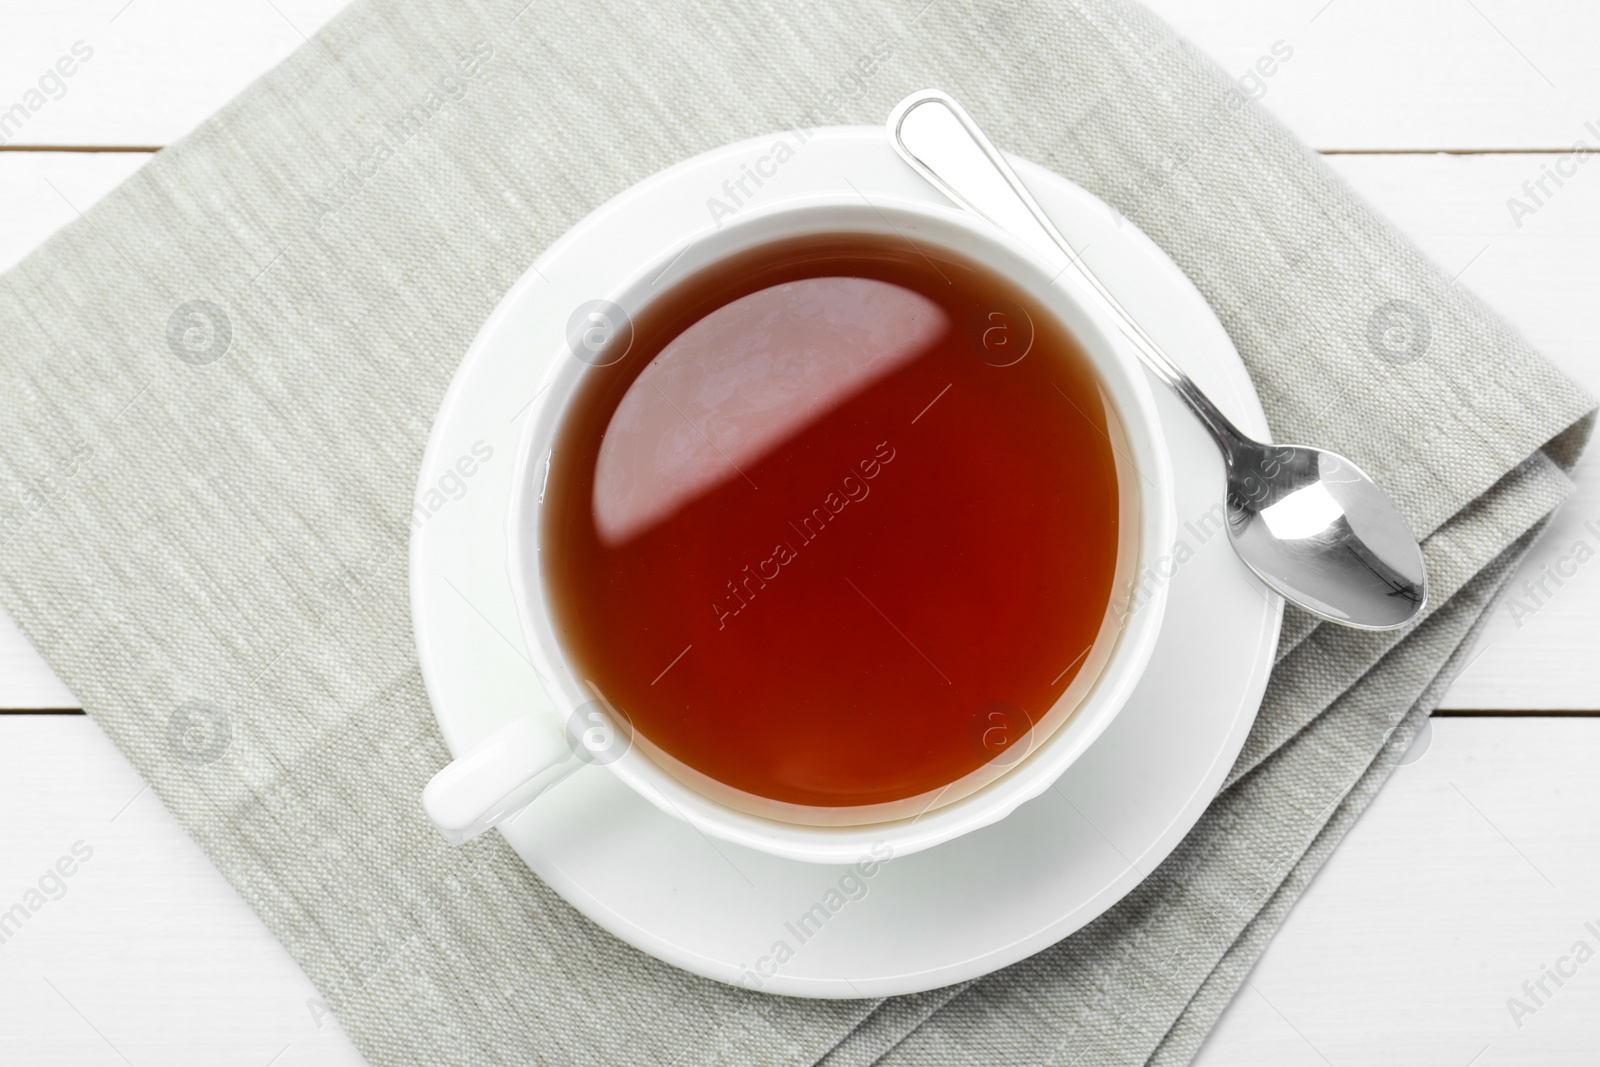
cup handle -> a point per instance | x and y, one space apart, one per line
499 778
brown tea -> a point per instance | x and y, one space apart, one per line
841 524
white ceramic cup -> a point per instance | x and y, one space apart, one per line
534 752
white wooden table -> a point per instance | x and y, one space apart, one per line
1475 870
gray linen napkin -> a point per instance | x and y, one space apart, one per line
220 381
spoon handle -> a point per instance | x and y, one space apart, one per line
940 141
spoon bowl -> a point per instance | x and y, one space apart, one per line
1321 533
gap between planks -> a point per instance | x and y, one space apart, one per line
86 148
1538 151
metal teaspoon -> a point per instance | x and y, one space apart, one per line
1309 522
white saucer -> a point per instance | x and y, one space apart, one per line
958 910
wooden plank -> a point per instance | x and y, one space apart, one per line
1542 275
145 72
1421 936
1471 872
40 192
144 954
1376 74
1365 73
26 681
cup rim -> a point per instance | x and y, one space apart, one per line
1130 393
